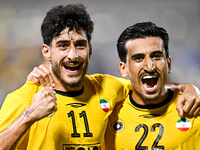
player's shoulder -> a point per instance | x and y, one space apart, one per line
105 78
99 76
22 96
26 90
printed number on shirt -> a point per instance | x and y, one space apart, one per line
156 141
81 115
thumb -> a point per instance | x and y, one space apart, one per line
179 107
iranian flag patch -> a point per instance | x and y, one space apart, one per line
104 105
183 124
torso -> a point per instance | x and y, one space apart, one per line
80 121
132 127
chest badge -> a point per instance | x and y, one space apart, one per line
118 126
104 105
183 124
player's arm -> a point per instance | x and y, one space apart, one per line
44 103
189 101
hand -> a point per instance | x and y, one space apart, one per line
188 104
43 105
41 76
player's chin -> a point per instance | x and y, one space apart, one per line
151 96
75 81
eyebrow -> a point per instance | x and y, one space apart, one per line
141 54
157 52
137 55
66 41
62 41
82 41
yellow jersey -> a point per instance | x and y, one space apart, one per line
151 127
80 121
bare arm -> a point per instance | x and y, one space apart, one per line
13 133
189 101
44 103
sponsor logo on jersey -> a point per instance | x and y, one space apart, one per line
104 105
76 105
118 126
96 146
183 124
149 116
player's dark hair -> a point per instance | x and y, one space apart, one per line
141 30
58 18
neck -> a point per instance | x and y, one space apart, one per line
60 87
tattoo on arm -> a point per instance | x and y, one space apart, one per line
27 113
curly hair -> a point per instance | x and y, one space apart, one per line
58 18
141 30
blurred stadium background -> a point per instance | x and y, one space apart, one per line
20 39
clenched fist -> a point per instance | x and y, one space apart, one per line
43 104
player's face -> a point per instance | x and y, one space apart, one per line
70 53
146 67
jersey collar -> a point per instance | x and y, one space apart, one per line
152 106
72 93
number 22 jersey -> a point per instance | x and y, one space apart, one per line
152 127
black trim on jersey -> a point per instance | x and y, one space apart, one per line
72 93
152 106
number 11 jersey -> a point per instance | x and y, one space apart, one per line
80 121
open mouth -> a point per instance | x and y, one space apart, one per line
72 68
150 83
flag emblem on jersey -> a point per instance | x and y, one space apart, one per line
183 124
104 105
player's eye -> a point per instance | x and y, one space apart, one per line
157 56
138 58
63 46
81 45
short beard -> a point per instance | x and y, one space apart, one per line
57 73
151 99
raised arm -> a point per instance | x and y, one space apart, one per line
189 101
43 104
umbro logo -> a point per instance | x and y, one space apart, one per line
149 116
76 105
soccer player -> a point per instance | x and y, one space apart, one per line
29 118
148 119
74 114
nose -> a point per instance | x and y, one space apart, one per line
72 53
149 64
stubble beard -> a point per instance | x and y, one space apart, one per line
151 98
56 71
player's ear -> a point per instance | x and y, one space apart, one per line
169 62
90 50
122 68
46 52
